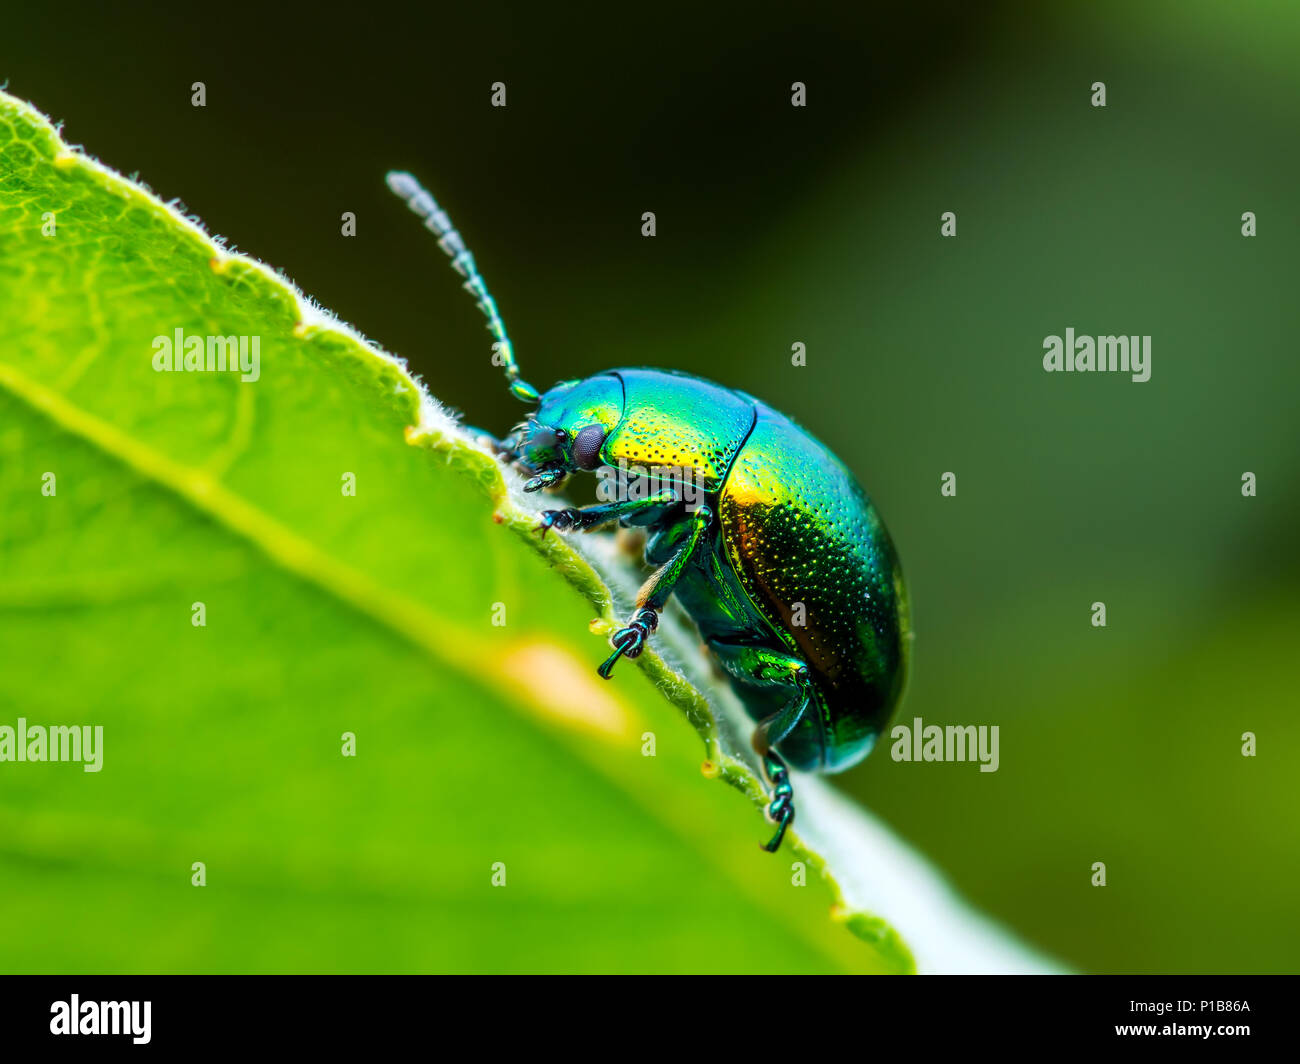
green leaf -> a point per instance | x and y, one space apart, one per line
131 495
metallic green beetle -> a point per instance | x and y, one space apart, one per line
761 533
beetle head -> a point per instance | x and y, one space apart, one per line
567 433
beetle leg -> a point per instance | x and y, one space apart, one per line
590 517
767 735
781 809
654 594
764 666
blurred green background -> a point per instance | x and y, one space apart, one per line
821 225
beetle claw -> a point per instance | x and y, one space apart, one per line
627 641
560 520
782 811
630 641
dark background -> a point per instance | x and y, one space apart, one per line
821 225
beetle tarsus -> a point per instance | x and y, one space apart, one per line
781 808
630 641
560 520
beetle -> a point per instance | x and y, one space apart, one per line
779 558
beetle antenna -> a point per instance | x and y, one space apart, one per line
419 199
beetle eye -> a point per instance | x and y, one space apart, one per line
587 445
